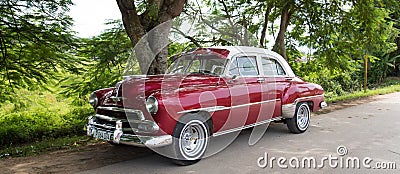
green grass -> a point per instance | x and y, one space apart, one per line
39 121
39 116
37 148
368 93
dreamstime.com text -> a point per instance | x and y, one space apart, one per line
333 161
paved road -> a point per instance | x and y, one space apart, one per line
368 130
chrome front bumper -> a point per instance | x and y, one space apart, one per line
146 141
117 134
118 137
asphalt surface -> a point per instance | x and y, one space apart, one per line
369 132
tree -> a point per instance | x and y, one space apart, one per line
288 9
105 57
141 17
218 22
35 43
393 7
268 9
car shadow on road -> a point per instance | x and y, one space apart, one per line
229 142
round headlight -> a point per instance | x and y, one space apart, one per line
152 104
93 99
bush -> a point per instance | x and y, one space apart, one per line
43 116
334 82
26 126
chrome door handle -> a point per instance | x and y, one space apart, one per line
289 78
260 80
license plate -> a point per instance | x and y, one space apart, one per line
100 134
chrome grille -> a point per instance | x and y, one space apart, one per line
120 113
102 122
106 118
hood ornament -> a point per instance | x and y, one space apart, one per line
115 98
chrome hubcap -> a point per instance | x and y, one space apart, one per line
193 140
303 117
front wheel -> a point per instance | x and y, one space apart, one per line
191 137
301 119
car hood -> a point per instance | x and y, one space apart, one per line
133 90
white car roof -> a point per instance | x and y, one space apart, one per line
234 50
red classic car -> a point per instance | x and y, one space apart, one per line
205 93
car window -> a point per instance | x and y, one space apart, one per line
233 69
271 67
198 64
244 66
194 66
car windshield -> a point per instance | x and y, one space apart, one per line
198 64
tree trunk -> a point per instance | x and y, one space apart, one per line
280 40
158 41
265 25
149 31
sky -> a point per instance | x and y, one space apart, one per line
90 16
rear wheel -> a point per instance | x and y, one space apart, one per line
301 119
191 137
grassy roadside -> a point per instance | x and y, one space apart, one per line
72 142
36 148
40 121
368 93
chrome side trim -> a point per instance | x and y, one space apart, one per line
144 77
247 126
220 108
208 109
126 110
309 97
255 103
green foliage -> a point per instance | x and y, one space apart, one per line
381 68
342 32
176 48
35 43
43 116
153 12
338 34
342 85
225 23
105 57
334 82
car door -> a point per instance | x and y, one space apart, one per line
275 82
245 91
